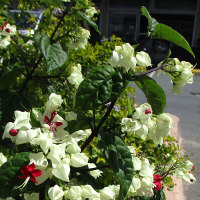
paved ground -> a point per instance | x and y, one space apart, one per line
187 108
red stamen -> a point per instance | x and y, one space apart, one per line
5 23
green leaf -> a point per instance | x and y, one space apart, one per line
8 77
89 21
151 21
9 103
103 84
130 107
153 92
119 159
55 56
9 173
162 31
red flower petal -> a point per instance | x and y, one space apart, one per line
31 167
58 123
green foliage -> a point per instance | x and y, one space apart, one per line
102 85
153 92
162 31
55 56
89 21
9 173
8 77
151 21
119 159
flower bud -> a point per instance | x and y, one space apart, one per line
13 132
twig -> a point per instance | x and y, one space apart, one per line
96 130
148 71
91 169
40 58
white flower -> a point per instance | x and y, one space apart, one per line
135 185
17 131
4 42
39 160
89 192
107 193
33 134
164 123
132 150
136 163
62 170
78 160
130 125
146 169
45 140
76 76
72 145
188 165
95 173
143 59
81 134
123 57
142 132
3 159
55 193
57 152
143 112
90 12
33 196
71 116
53 103
74 193
81 40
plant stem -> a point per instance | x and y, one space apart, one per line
96 130
148 71
91 169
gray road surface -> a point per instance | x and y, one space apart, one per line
186 106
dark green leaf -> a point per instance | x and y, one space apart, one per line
55 56
8 78
153 92
103 84
9 173
36 39
9 103
162 31
119 159
52 2
151 21
89 21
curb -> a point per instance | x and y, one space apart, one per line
196 71
177 192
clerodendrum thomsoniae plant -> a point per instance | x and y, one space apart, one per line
90 140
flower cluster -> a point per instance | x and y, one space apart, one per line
58 147
6 31
79 38
143 123
124 56
142 182
76 76
183 171
180 72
